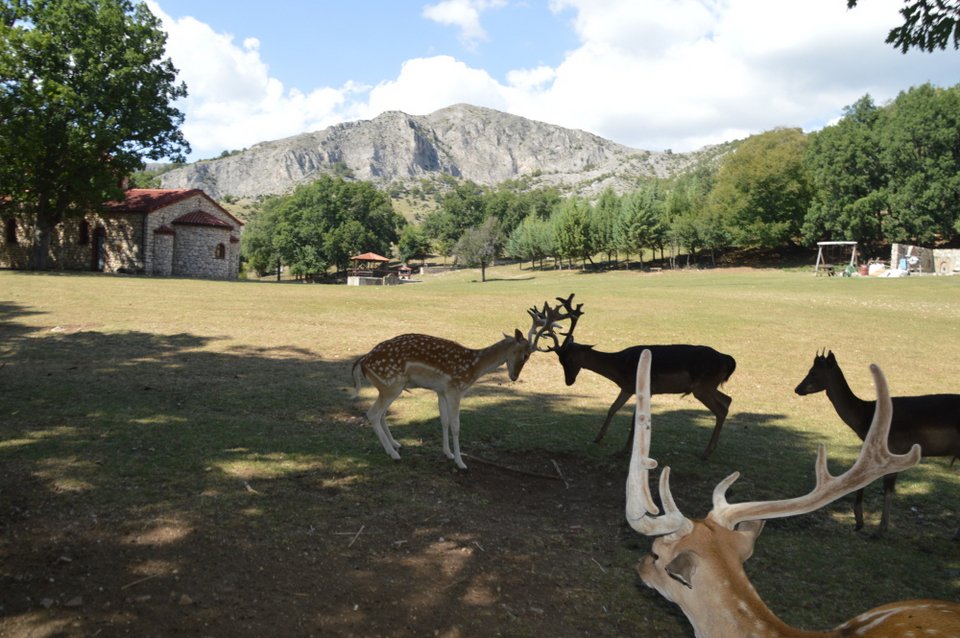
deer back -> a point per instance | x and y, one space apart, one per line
390 361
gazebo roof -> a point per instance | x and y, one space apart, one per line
369 257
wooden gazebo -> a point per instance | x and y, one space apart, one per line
367 265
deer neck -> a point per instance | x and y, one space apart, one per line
851 409
603 363
489 359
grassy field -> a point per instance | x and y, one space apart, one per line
186 457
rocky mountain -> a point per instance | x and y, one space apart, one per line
463 141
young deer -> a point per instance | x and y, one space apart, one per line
698 564
932 421
446 367
677 369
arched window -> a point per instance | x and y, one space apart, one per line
220 252
11 231
84 238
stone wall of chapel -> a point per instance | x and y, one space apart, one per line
72 250
191 253
195 249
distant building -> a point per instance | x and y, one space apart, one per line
167 232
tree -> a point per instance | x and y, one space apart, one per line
532 239
762 191
322 224
927 25
85 96
603 224
413 243
257 241
849 178
686 216
571 229
480 246
921 153
639 221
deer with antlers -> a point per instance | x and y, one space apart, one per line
441 365
698 564
677 369
932 420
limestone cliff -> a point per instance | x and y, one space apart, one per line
469 142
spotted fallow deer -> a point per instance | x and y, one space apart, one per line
441 365
698 564
931 420
677 369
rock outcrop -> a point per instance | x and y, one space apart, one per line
463 141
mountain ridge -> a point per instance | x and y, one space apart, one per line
462 141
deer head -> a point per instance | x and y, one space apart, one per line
561 312
818 378
698 564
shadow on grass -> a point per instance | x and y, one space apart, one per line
170 485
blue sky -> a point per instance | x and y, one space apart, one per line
651 74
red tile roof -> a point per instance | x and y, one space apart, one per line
201 218
148 200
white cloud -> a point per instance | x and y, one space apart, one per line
463 14
687 73
427 84
233 101
660 74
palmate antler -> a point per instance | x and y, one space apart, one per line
875 460
551 316
545 322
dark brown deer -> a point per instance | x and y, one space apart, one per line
932 421
677 369
698 563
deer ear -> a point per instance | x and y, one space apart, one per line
746 535
518 335
683 567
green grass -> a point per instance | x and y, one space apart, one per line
140 400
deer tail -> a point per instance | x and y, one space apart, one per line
358 376
731 366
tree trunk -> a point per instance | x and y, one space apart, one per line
40 253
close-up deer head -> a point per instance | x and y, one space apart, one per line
698 564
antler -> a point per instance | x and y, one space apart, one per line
544 322
551 316
641 510
875 460
572 313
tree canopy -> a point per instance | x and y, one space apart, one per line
480 246
319 225
85 96
927 25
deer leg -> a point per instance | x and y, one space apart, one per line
858 509
617 404
453 418
377 417
889 483
718 403
445 424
